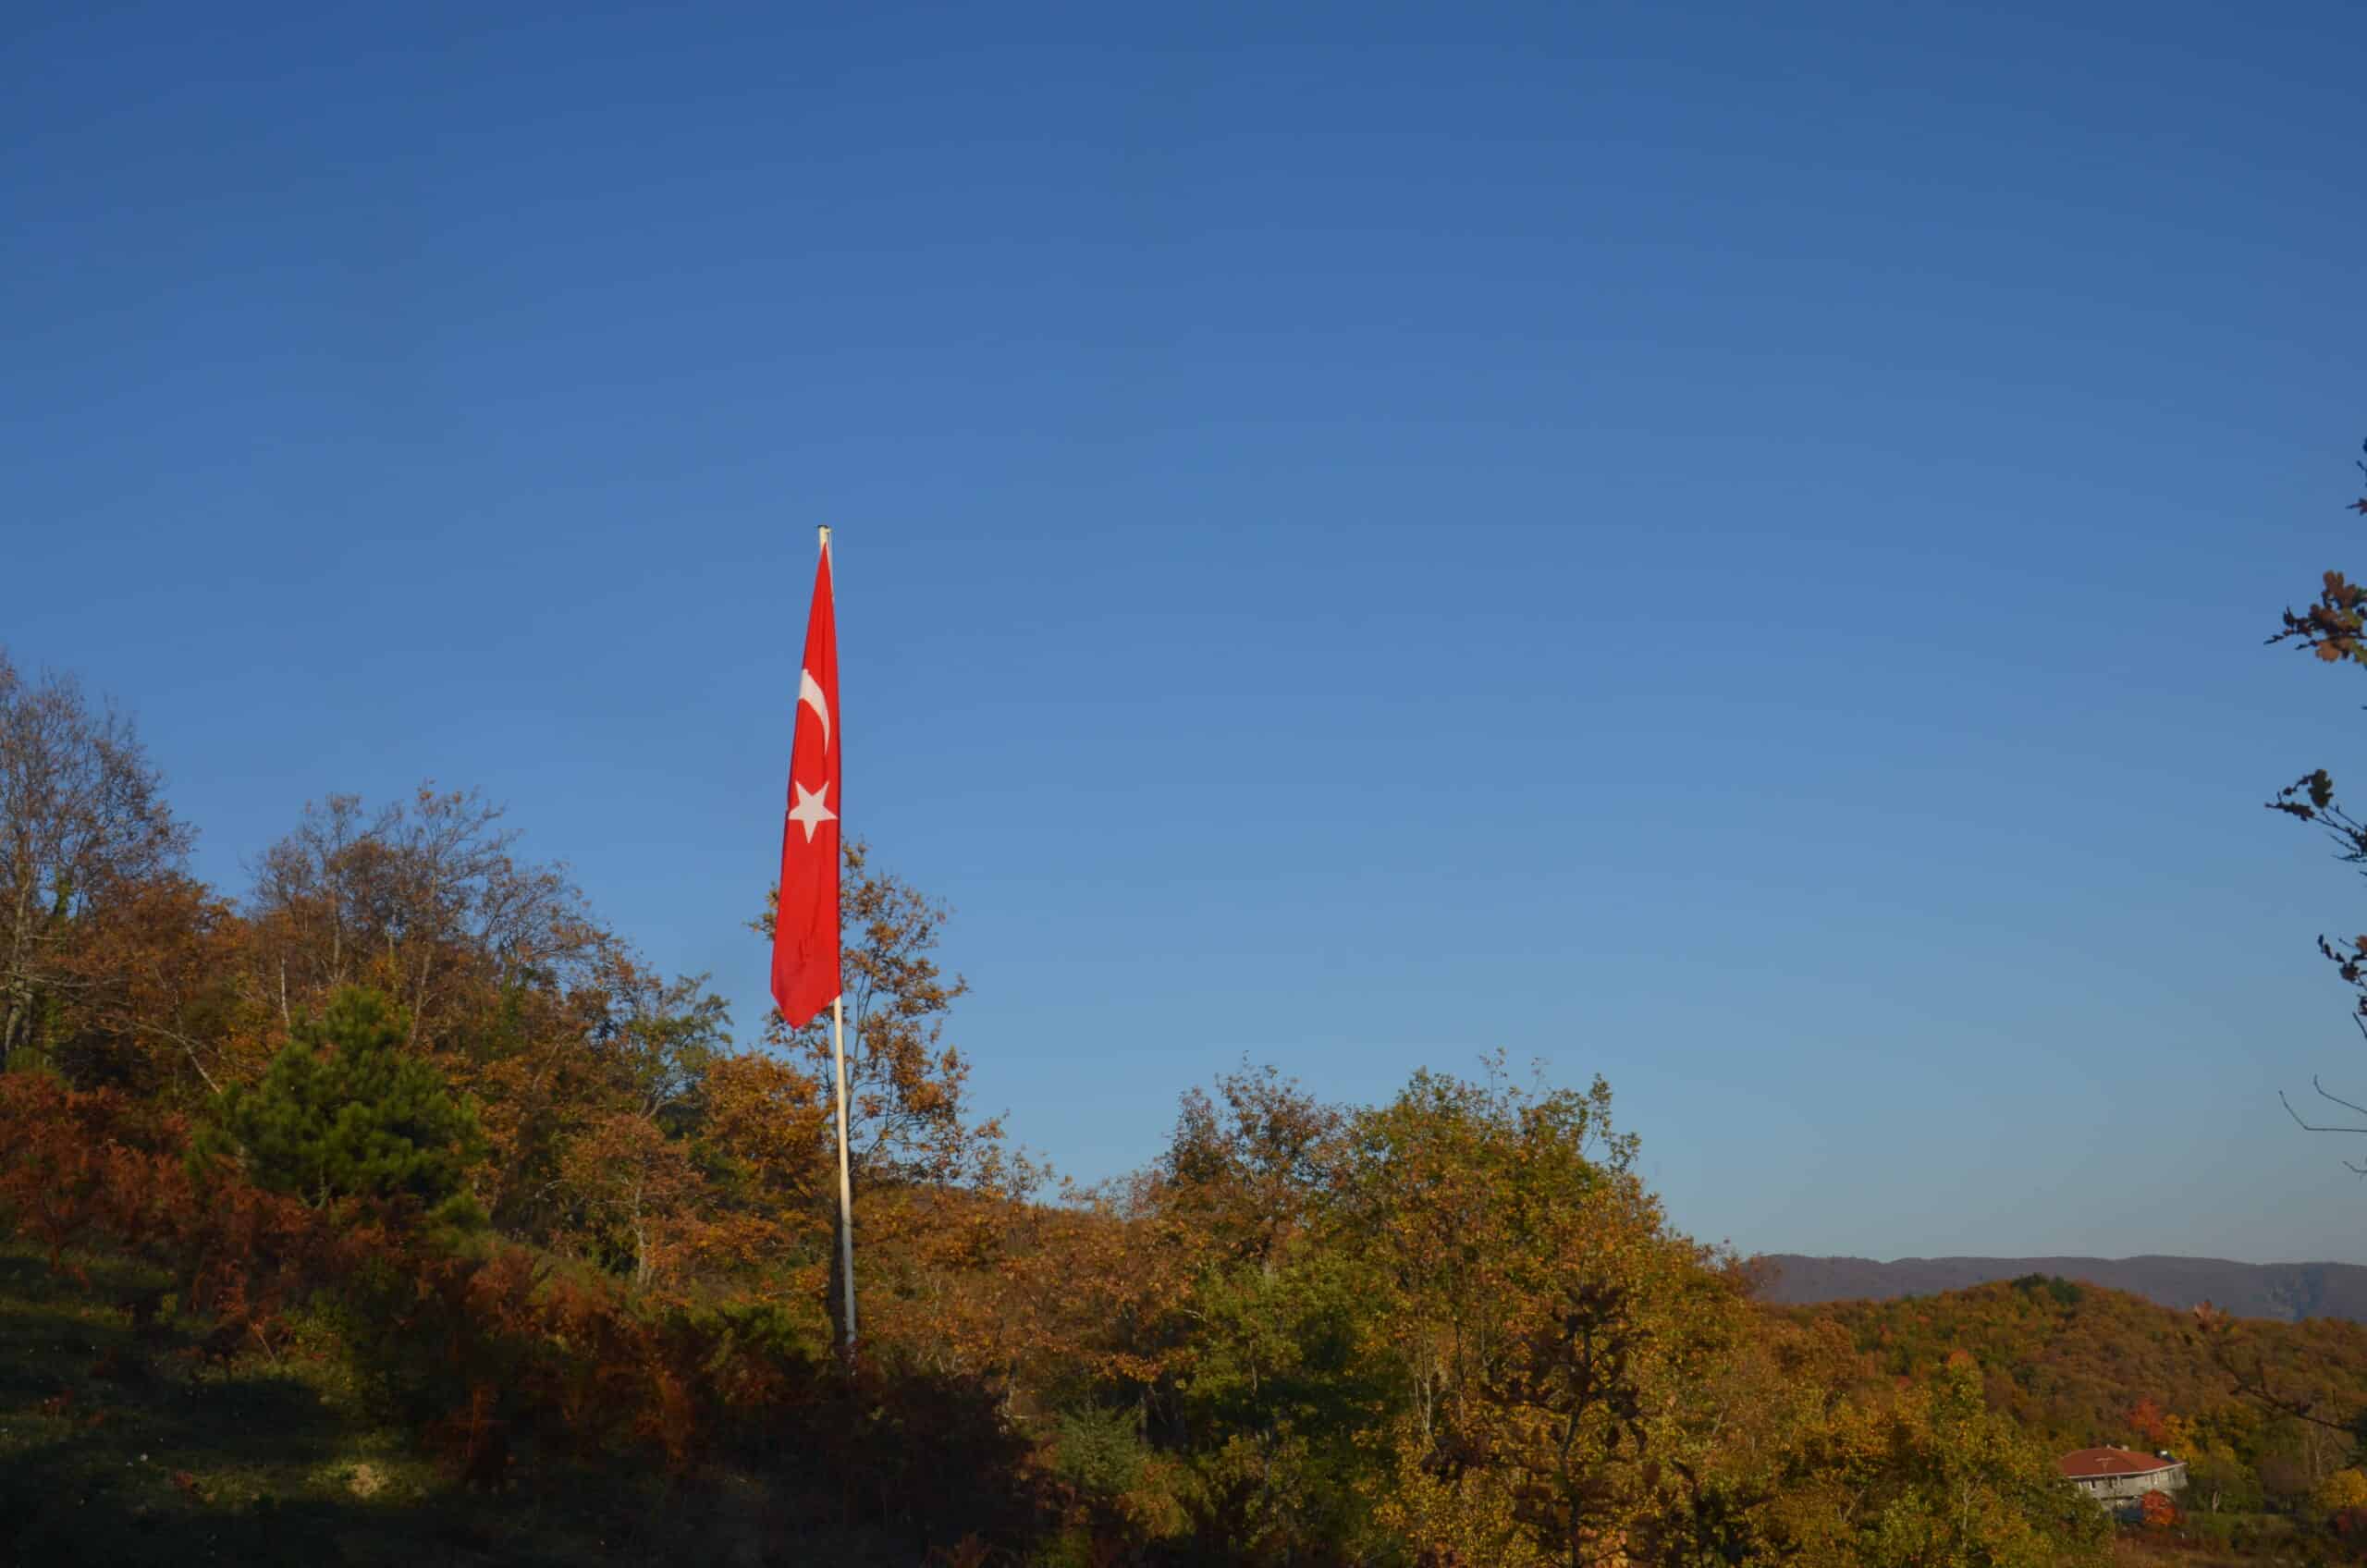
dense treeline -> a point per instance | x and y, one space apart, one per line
407 1097
2078 1366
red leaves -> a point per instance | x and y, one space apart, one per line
54 1185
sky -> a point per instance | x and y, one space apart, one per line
1725 546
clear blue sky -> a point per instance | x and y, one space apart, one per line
1725 551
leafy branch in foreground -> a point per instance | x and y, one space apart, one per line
2333 629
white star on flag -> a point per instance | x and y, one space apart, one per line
810 812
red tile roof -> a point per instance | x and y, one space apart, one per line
2093 1463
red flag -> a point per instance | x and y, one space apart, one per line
805 921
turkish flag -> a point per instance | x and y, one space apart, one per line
805 921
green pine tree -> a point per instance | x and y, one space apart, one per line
344 1112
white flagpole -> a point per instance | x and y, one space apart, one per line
846 1188
839 1053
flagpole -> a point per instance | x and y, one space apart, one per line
846 1188
839 1055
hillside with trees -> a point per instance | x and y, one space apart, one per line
393 1197
2078 1366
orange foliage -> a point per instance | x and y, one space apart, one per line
478 1346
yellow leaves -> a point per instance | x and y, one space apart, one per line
1469 1515
2343 1489
771 1117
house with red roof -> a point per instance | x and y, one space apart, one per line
2119 1477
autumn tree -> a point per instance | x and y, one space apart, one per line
2220 1449
769 1123
1543 1318
1247 1166
633 1159
82 824
423 899
159 999
908 1117
1228 1333
657 1037
638 1188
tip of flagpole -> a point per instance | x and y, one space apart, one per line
825 532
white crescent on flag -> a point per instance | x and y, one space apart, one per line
809 691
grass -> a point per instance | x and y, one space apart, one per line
118 1446
129 1447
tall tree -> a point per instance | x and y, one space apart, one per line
422 898
82 820
1246 1167
1546 1322
909 1115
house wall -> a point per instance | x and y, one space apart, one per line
2122 1491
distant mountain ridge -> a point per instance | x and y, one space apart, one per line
2285 1291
